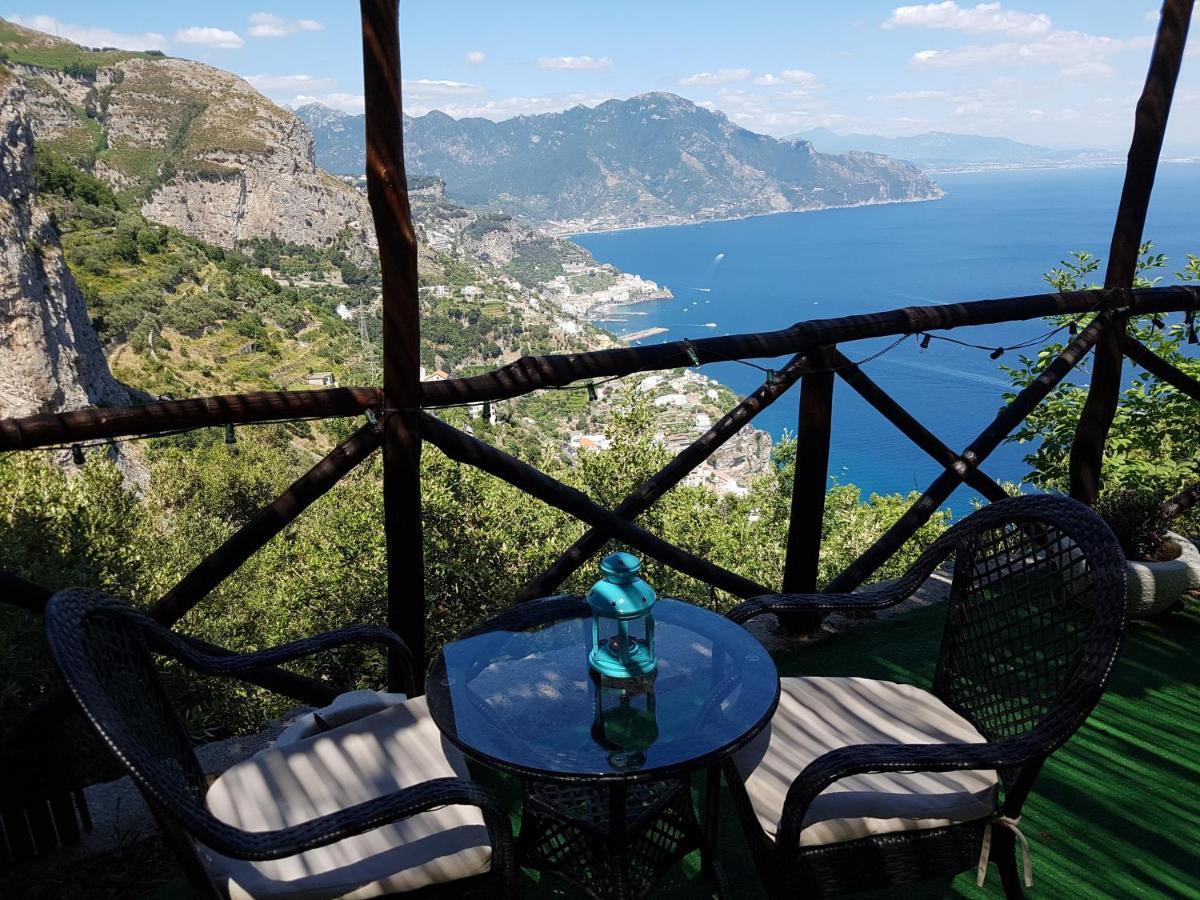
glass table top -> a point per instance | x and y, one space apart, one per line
518 693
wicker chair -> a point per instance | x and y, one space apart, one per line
376 806
862 784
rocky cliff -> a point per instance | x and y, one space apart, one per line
197 146
50 357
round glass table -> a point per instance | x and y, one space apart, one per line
606 764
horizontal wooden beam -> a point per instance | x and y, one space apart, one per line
987 441
48 429
1159 367
469 450
265 524
912 429
654 487
530 373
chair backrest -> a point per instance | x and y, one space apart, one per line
1035 617
100 645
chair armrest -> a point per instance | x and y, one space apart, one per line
366 816
856 760
878 597
164 641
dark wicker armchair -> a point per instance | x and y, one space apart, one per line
862 784
375 806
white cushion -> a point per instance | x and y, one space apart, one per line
345 708
817 715
366 758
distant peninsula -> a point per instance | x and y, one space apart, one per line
944 151
654 159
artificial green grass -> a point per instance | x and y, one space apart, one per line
1114 813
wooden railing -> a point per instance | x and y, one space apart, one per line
401 413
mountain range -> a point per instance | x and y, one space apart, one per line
653 159
947 151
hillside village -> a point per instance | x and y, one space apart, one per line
142 160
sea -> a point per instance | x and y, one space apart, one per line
993 235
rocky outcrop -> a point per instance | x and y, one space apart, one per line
244 168
205 151
50 357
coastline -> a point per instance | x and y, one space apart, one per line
568 234
975 169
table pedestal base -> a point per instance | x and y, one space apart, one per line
609 841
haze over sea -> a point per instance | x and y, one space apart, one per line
993 235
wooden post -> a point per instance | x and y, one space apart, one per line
387 189
812 476
1096 418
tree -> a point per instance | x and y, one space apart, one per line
1154 442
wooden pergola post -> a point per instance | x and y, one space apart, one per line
1096 418
387 188
811 478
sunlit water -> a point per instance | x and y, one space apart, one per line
993 235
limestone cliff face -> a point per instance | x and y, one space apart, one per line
50 357
245 167
204 151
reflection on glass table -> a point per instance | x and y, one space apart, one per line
606 764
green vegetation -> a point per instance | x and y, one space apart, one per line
483 541
1154 444
55 175
1134 517
30 48
536 262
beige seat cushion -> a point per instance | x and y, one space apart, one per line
363 759
817 715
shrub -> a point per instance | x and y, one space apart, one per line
54 175
1135 519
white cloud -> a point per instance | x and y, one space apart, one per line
506 108
350 103
985 17
427 88
475 57
207 36
723 76
575 62
1089 69
90 36
289 83
910 96
1064 48
269 25
788 76
773 112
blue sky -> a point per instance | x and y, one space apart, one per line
1055 73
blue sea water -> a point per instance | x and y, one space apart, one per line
993 235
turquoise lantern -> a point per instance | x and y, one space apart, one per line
622 623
